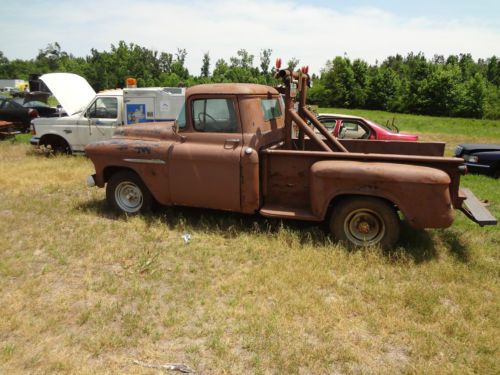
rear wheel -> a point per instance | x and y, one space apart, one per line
127 193
365 221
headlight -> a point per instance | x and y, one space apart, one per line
471 158
458 150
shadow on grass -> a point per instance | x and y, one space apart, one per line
223 223
455 244
417 244
414 244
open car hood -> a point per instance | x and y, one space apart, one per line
71 91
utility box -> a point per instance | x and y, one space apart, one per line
152 104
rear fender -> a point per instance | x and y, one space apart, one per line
420 193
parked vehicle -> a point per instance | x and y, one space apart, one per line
16 113
480 158
93 117
7 129
44 110
355 127
232 149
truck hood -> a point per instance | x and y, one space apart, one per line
72 91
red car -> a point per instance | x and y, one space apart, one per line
354 127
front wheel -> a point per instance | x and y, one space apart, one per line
57 146
126 192
365 221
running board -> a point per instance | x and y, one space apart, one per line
476 210
285 212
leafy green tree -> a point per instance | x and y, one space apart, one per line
165 62
338 79
452 86
292 63
265 60
243 59
359 90
439 90
50 56
4 66
492 102
470 97
178 64
205 67
493 70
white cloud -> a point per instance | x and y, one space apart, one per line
312 34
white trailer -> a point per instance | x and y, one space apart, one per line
11 84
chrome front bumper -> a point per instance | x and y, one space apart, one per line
35 141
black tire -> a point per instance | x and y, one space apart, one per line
365 221
57 146
125 192
496 171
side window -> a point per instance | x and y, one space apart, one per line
352 130
214 115
103 108
329 124
271 109
12 105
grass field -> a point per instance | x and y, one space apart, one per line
84 290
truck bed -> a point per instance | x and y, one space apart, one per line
285 174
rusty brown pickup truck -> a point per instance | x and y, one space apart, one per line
231 149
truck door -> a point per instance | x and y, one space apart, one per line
99 121
205 164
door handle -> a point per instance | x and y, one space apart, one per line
233 140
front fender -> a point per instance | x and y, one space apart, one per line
149 159
421 193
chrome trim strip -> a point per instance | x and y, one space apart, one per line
146 161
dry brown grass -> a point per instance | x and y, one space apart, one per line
86 291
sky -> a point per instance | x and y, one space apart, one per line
313 31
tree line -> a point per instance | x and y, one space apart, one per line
454 86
